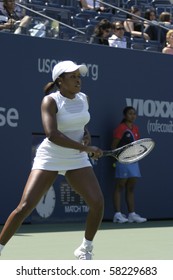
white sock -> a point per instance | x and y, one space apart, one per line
132 213
1 247
86 243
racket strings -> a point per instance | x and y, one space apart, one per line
135 152
132 152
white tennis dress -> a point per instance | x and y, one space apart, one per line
72 116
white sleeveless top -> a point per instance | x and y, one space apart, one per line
72 116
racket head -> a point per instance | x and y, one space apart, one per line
135 151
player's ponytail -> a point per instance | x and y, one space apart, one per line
49 87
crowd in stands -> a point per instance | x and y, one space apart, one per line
135 26
124 23
12 18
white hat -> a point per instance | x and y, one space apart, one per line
67 67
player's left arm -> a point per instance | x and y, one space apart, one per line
87 137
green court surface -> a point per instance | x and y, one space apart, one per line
152 240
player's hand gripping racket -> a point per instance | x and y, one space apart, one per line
132 152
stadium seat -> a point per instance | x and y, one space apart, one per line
131 3
89 29
79 38
151 49
36 5
116 3
137 40
160 2
107 16
74 10
137 46
37 2
52 14
93 21
137 43
53 4
72 3
66 33
163 8
119 15
87 14
155 45
79 22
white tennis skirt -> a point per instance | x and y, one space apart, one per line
50 156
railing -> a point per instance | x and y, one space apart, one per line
138 17
50 18
58 25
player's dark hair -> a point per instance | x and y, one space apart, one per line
49 87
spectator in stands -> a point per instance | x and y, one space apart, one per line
168 49
134 25
150 14
101 33
157 33
165 18
89 5
126 174
12 17
117 40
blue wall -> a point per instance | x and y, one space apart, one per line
116 78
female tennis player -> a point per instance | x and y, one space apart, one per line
64 151
126 174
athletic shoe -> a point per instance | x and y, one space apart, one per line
82 253
120 218
135 218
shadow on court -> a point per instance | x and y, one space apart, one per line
147 241
78 226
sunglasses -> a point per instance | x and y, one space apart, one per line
120 28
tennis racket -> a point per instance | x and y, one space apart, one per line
133 151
